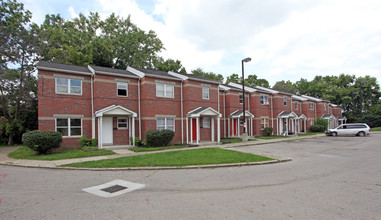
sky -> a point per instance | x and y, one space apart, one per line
286 39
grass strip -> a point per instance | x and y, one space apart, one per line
145 149
271 137
205 156
27 153
376 129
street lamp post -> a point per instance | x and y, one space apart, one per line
244 134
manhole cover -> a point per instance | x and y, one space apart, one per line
113 189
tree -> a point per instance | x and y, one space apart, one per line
170 65
18 56
209 75
251 80
285 86
113 42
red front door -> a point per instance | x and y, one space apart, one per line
194 129
235 126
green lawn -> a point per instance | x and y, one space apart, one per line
203 156
234 140
27 153
376 129
145 149
271 137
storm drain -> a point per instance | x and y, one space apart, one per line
113 188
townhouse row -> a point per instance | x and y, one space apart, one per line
115 106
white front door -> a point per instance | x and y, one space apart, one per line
107 131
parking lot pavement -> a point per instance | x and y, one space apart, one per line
329 178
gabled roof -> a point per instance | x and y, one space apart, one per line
152 73
263 89
111 71
239 114
287 114
228 87
186 76
342 118
204 111
301 116
239 86
298 98
328 116
115 110
59 67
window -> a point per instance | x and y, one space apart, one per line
311 106
164 90
206 122
68 86
166 123
122 89
122 123
264 100
69 126
285 100
240 99
264 123
205 92
296 105
325 106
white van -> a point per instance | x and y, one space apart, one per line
360 129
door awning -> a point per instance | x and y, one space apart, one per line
115 110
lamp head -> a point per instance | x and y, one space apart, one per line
248 59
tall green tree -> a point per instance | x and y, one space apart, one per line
170 65
113 42
18 56
285 86
209 75
251 80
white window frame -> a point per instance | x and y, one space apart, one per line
241 99
206 122
285 100
311 106
266 122
296 105
118 123
205 92
166 87
69 127
166 125
121 84
68 90
265 99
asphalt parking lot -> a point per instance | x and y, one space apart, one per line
328 178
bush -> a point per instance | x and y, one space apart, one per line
268 131
317 128
87 143
42 141
156 138
138 142
322 122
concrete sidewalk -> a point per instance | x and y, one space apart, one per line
5 160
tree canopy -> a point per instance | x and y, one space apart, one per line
251 80
209 75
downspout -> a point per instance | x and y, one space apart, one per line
92 103
182 111
218 105
224 114
272 116
140 117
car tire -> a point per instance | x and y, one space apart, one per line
334 133
362 134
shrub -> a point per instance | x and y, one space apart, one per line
317 128
322 122
138 142
268 131
42 141
157 138
86 143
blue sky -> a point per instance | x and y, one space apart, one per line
287 40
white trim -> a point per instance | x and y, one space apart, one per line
63 71
136 72
224 87
178 75
166 124
207 91
117 89
239 86
127 123
206 125
69 79
69 127
266 101
165 86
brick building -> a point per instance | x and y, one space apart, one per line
117 105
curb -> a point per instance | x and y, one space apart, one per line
159 168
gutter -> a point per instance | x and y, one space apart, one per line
92 102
